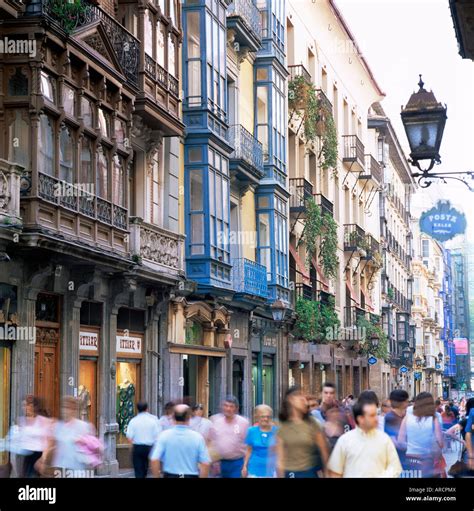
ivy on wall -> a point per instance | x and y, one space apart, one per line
313 319
370 330
323 226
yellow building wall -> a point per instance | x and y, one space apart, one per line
181 189
246 108
249 227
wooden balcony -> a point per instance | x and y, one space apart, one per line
71 212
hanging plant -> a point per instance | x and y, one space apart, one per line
329 150
297 93
314 319
372 330
324 227
328 252
69 13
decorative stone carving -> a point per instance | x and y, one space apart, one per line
159 248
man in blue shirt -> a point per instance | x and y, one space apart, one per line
180 451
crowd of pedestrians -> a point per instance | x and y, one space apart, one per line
360 436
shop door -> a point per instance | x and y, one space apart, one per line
238 381
268 381
46 369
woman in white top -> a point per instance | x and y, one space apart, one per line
34 432
199 423
422 435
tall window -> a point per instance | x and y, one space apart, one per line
66 155
216 64
262 118
193 41
197 211
102 174
86 170
155 199
149 33
172 55
118 181
19 138
160 45
219 206
425 248
46 146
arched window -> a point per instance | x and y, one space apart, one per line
46 145
66 155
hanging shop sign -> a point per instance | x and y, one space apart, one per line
417 376
443 222
461 346
403 369
372 360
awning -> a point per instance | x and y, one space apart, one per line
301 267
351 289
368 301
324 281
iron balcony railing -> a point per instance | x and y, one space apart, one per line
159 74
249 277
354 237
72 15
305 291
325 204
246 147
352 315
372 169
299 70
397 202
353 149
249 14
301 190
324 101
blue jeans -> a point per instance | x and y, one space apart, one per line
302 474
232 469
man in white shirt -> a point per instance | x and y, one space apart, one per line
142 432
365 451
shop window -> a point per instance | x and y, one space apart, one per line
8 303
5 377
91 314
128 377
131 320
18 83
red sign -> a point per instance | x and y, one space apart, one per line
461 346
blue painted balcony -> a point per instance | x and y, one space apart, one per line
246 162
250 278
245 22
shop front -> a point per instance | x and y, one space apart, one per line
129 350
264 369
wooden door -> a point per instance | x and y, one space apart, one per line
46 369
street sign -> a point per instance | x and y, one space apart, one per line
443 222
417 376
403 369
372 360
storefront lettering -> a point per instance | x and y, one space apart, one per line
88 341
129 344
271 342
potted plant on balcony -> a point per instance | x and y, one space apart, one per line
69 13
314 320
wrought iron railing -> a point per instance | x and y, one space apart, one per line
246 147
249 14
301 190
299 70
78 200
326 105
354 237
249 277
159 74
352 315
353 149
70 16
325 204
305 291
373 168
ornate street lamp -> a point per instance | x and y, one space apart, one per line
424 119
278 309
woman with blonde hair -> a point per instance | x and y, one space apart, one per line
260 458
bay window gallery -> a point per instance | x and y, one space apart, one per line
81 137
